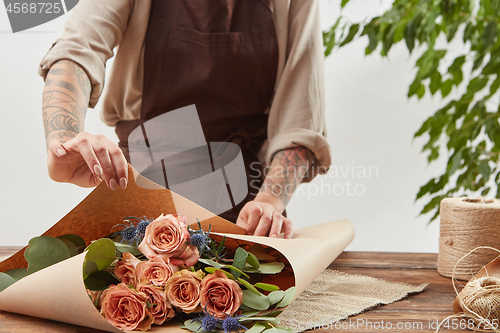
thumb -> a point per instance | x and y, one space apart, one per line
56 148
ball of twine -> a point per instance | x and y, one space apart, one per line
465 224
480 299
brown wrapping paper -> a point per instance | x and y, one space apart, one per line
58 292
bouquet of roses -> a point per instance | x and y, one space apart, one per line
178 271
170 274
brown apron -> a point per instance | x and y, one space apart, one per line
222 56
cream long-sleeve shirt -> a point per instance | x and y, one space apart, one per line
297 112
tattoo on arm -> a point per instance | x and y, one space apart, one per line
288 168
65 99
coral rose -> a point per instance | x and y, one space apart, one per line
160 308
183 290
125 269
125 308
168 237
156 271
220 296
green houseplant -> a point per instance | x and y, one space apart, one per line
467 128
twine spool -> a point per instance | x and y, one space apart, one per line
465 225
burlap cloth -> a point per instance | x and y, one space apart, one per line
335 295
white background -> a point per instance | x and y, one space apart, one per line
370 124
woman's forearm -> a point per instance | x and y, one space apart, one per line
288 168
65 99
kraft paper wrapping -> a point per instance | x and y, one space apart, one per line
58 292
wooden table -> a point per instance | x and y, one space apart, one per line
417 313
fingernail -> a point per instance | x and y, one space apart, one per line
98 170
60 152
288 236
123 182
273 236
112 184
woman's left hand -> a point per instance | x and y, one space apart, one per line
260 217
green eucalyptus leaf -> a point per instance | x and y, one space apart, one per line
236 270
17 273
73 250
256 302
75 239
89 267
271 267
213 269
269 320
249 286
193 325
276 296
100 280
44 251
266 286
252 260
210 262
287 299
124 248
5 281
256 328
240 258
102 252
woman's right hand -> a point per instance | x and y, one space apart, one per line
86 160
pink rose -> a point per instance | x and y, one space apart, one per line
160 308
125 308
125 269
168 237
156 271
220 295
183 290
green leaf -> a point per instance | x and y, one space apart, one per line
89 267
255 302
213 269
343 3
446 88
353 30
269 320
100 280
426 188
210 262
75 239
256 328
249 286
252 260
489 34
266 286
260 255
484 169
236 270
124 248
240 258
102 252
193 325
271 267
276 296
287 299
435 82
73 250
278 330
44 251
5 281
250 313
410 34
17 273
456 160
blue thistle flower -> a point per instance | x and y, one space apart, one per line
141 227
198 240
232 324
128 234
210 323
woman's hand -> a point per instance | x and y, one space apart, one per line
259 216
87 159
